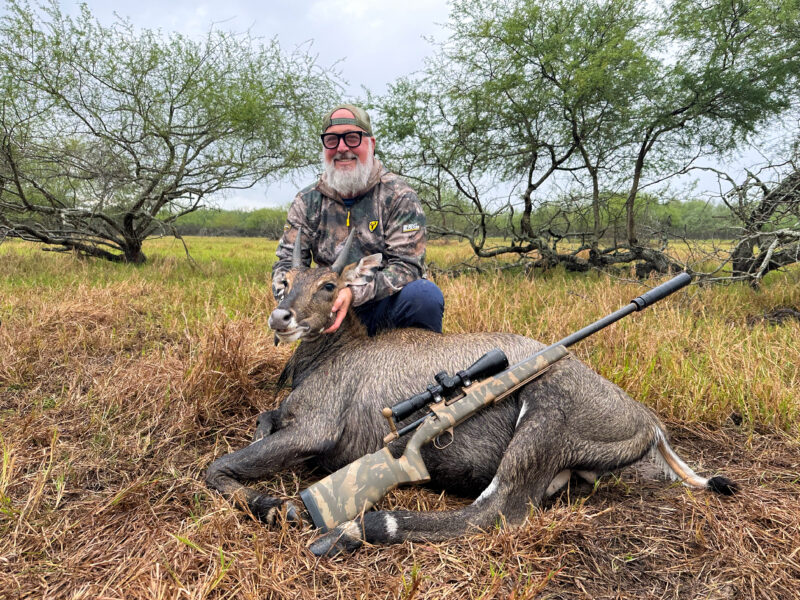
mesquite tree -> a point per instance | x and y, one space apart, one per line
765 204
570 103
108 134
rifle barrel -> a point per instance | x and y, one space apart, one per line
638 303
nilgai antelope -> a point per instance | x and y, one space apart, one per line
509 456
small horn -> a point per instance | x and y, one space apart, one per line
297 253
341 260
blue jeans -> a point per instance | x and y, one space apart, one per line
417 304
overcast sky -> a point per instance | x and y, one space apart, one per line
372 42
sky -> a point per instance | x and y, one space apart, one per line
371 42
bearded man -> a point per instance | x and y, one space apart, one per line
357 192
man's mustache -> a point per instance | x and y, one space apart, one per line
344 156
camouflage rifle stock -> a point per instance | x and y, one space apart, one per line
348 492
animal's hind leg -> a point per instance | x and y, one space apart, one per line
527 468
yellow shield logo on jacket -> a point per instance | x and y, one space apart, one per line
373 225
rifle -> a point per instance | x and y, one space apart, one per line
343 495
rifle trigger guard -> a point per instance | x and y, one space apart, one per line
438 445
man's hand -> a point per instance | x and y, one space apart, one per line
340 306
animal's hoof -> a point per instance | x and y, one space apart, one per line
266 509
344 539
296 516
263 426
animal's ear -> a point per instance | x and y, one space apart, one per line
362 272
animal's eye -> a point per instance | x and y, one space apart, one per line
329 287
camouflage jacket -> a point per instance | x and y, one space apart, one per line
387 217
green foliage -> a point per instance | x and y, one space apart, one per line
738 59
104 127
262 222
564 99
692 219
689 219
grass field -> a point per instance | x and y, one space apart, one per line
120 384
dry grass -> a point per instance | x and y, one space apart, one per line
118 387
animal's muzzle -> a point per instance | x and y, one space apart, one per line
280 319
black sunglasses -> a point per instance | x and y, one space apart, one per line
352 139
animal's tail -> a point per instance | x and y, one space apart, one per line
677 469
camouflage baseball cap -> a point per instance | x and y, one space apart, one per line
361 118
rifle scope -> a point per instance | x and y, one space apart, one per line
487 365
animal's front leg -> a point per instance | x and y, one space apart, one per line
269 510
284 449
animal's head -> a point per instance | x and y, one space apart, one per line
307 295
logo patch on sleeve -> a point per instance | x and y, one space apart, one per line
373 225
410 227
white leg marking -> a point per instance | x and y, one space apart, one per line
559 481
391 526
351 529
490 489
589 476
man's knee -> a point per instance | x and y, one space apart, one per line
420 304
421 293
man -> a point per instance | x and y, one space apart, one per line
357 192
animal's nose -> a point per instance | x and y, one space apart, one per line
279 319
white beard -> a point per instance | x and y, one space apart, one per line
348 184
